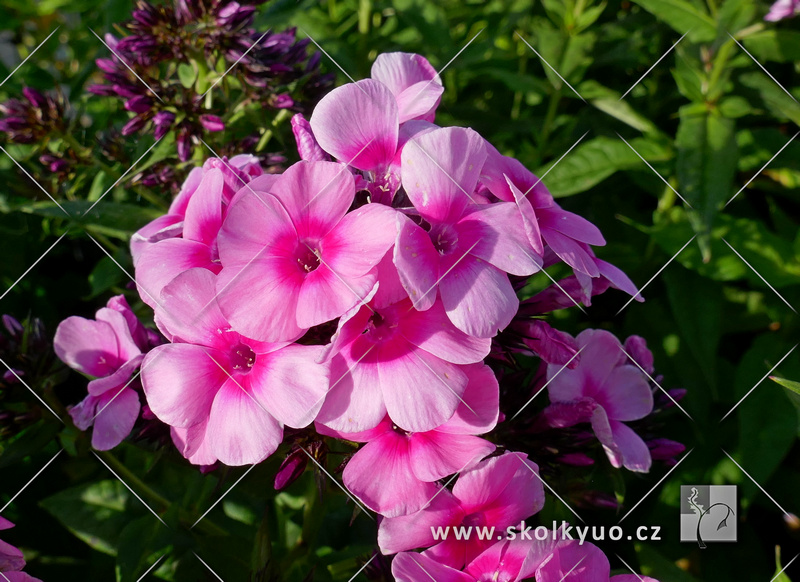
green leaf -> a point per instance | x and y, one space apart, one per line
592 162
788 384
94 512
187 74
780 575
99 186
706 166
114 219
141 543
780 45
105 275
608 101
682 17
779 103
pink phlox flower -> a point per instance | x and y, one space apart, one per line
607 390
395 472
497 492
400 361
11 559
783 9
468 249
294 257
227 396
108 348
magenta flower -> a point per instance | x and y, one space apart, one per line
783 9
11 560
498 492
108 348
414 83
399 361
571 561
294 258
469 248
395 472
607 391
230 393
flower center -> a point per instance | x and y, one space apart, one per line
242 358
445 239
380 326
307 258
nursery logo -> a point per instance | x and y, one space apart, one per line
708 513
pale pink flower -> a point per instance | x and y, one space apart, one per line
294 258
607 391
108 348
783 9
469 248
395 472
228 396
498 492
399 361
414 83
571 561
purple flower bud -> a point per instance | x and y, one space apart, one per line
102 90
212 123
282 101
663 449
107 65
35 98
10 376
139 104
292 467
636 348
677 394
145 15
576 459
134 125
184 146
163 120
127 91
307 145
53 163
13 326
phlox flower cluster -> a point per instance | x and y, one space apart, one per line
359 292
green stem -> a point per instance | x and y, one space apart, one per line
133 481
547 126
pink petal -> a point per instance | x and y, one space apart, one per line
359 242
162 228
397 534
570 225
290 384
435 455
390 289
380 475
632 578
417 263
180 382
412 79
634 451
618 279
189 311
501 174
241 432
160 263
354 402
626 394
420 390
480 407
204 210
433 332
5 524
529 217
572 562
495 233
181 201
440 170
413 567
357 124
326 294
192 444
307 145
571 252
87 346
553 346
601 353
505 560
119 378
364 436
478 297
316 195
116 414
